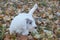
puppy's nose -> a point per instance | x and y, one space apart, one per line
29 32
35 27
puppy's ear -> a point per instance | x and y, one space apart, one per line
28 21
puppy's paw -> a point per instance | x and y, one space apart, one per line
25 33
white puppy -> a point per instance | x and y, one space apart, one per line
23 23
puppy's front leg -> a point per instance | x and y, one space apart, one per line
25 32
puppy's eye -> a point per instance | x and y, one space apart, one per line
30 22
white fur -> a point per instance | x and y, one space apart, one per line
18 24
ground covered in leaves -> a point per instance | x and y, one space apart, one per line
47 18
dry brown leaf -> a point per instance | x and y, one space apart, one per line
23 37
7 37
51 16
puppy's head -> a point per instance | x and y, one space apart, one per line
31 25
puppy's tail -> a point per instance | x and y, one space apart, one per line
33 9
